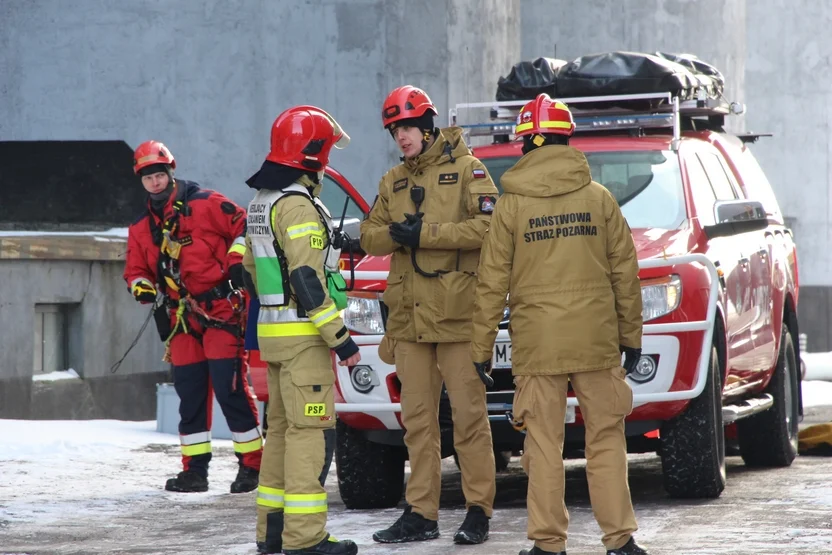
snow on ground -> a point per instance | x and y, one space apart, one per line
818 365
817 393
69 374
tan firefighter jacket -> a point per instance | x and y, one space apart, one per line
459 199
560 248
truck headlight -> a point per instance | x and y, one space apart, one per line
660 296
363 313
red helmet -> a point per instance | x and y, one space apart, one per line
544 116
152 152
303 136
405 103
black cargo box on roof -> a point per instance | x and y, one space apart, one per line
613 73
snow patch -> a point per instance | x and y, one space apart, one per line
69 374
818 365
817 393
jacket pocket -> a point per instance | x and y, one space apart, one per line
314 402
395 296
456 295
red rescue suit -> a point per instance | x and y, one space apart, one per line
207 233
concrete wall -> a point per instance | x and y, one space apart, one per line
208 78
104 322
714 30
789 93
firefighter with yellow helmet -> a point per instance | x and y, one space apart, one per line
292 257
575 304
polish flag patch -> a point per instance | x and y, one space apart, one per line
479 174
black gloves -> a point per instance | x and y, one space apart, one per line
144 292
407 232
236 274
484 370
631 358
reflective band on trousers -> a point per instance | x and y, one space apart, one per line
305 503
246 442
270 497
196 444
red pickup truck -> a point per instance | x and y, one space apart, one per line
720 293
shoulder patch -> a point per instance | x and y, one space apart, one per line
228 208
487 204
448 178
478 173
399 185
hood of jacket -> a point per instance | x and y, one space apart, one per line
547 171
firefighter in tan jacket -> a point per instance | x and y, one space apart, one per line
292 257
561 250
431 213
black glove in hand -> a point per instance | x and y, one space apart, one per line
407 232
484 371
144 292
235 273
631 358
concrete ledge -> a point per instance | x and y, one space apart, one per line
126 397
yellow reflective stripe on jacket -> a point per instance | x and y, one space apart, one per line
287 330
138 281
305 503
238 246
304 229
327 315
270 497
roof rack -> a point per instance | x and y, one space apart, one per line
605 113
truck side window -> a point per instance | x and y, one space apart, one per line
701 190
333 197
716 174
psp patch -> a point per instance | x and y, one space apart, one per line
399 185
478 174
316 242
314 409
487 204
448 178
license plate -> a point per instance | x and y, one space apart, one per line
502 355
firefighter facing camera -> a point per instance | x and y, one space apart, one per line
431 214
187 247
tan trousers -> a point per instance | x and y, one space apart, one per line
301 407
605 400
421 368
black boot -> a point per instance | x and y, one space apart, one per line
629 548
246 480
274 535
474 528
329 546
537 551
410 527
187 481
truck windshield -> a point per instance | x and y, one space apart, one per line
646 184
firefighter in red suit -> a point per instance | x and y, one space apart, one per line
188 245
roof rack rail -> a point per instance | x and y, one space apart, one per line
604 113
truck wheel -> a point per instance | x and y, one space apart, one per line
693 443
370 475
770 438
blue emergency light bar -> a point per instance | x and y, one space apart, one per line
604 113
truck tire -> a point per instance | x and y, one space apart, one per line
370 475
693 443
770 437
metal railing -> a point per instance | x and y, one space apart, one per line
706 325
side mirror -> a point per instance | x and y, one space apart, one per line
734 217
